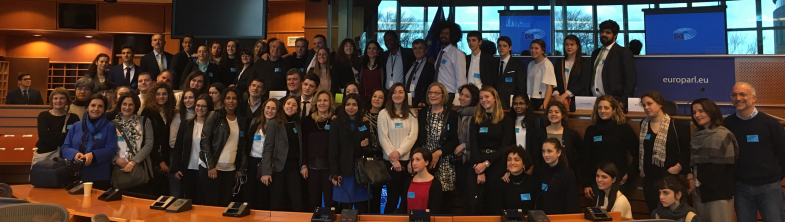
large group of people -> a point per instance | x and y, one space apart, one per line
209 130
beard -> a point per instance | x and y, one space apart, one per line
605 41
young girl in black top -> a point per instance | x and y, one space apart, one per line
559 195
469 96
520 189
348 143
185 156
490 131
663 149
284 148
557 128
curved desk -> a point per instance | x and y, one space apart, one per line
132 209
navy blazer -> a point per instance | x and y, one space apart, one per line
512 81
148 63
424 80
14 97
178 63
619 76
489 68
117 76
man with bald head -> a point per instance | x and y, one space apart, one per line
761 161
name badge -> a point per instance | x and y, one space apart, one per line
233 69
752 139
295 130
242 133
517 130
211 74
597 138
134 84
566 70
483 129
257 137
448 126
544 187
277 69
302 69
603 62
477 75
120 139
97 136
526 196
327 127
648 137
410 195
398 125
362 128
444 61
412 87
507 79
69 126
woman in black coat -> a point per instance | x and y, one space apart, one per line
608 139
575 69
345 68
557 191
203 64
558 128
185 156
349 141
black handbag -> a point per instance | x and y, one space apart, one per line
55 173
369 170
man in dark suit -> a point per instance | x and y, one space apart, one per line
512 78
300 54
420 75
614 66
24 94
125 74
181 59
157 60
273 71
481 68
397 60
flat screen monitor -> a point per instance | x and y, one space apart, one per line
241 19
523 26
699 30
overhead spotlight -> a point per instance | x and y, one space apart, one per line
88 36
36 35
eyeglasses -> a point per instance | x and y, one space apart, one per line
434 93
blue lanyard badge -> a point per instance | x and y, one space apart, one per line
517 130
302 69
544 187
242 133
444 61
476 75
295 130
257 137
362 128
120 139
597 138
752 139
277 69
448 126
526 196
98 136
398 125
566 70
327 127
69 127
507 79
211 74
233 70
483 129
648 137
410 195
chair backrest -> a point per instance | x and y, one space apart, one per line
33 212
7 201
6 191
99 218
671 108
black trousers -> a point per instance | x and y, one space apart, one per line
651 193
254 191
218 191
286 185
376 199
473 193
397 188
192 188
319 184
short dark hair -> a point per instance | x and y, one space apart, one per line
475 34
218 86
107 85
188 36
711 109
505 39
472 90
294 71
127 47
100 97
145 74
301 39
610 24
255 80
22 75
313 77
636 46
135 98
540 43
392 33
455 31
420 42
247 51
320 36
525 157
427 156
673 182
230 89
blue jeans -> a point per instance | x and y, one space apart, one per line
767 198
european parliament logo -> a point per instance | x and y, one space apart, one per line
533 34
684 34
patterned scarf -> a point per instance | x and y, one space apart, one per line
658 157
128 127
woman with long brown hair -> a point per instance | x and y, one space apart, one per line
323 69
345 66
159 107
573 74
398 129
256 193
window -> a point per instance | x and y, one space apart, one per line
768 42
743 42
703 4
528 7
635 16
612 12
741 14
587 41
490 18
492 37
579 18
557 17
387 15
432 13
673 5
640 37
468 18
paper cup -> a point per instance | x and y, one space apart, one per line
88 188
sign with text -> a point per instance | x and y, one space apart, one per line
686 78
584 102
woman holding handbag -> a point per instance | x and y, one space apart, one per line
282 170
134 144
53 125
349 140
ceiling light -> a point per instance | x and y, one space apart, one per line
88 36
36 35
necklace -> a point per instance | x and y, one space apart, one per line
322 127
519 182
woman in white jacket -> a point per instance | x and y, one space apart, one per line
397 126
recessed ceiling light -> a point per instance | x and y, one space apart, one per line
88 36
36 35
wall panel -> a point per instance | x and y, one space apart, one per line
28 15
58 48
131 18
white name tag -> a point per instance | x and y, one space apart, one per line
634 105
584 102
277 94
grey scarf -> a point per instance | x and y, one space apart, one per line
716 146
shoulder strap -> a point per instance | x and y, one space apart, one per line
678 142
125 137
65 124
563 79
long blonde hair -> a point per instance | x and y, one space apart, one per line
315 115
498 112
617 116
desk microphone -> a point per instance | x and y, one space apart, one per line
689 103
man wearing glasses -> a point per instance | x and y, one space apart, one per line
24 95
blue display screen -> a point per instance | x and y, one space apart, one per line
685 33
522 29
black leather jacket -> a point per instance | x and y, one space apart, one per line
214 136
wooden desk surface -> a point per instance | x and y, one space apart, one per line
132 209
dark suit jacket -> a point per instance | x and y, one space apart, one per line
579 83
407 55
149 64
343 142
15 97
273 73
276 147
424 80
619 77
512 81
117 76
212 72
178 63
489 68
181 154
246 76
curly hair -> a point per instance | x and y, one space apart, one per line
167 108
455 31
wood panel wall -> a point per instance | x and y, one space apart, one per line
132 18
28 15
58 48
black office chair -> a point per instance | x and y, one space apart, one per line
670 108
100 218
